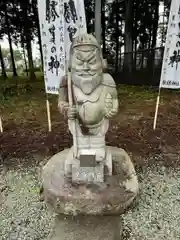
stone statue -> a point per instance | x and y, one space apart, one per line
94 98
91 183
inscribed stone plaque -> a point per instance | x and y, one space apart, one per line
87 160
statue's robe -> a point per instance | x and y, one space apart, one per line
92 108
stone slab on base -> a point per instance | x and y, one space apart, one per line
109 198
91 174
90 165
87 228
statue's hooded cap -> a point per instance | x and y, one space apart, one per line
85 39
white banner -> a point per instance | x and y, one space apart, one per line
75 21
170 74
60 21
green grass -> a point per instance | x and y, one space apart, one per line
22 100
21 78
136 92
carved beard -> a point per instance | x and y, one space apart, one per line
87 83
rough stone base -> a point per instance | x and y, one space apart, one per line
111 197
87 228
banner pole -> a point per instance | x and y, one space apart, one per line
48 113
1 127
157 107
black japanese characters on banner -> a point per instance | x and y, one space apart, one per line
61 49
175 58
61 29
51 16
48 10
51 12
53 49
44 46
71 18
52 32
70 12
72 30
51 19
81 22
62 61
52 89
170 83
54 63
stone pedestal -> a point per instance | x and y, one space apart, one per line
92 209
87 228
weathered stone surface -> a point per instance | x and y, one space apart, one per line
110 197
90 183
87 228
88 96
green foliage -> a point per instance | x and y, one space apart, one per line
19 19
17 56
36 69
20 86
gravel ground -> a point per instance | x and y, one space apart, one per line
155 216
23 215
157 213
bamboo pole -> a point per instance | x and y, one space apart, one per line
1 127
157 108
48 114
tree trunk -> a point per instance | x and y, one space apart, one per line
155 25
34 6
98 20
12 56
24 53
30 60
2 65
135 40
128 57
163 34
103 24
10 43
142 60
28 37
25 61
117 38
120 50
40 46
154 35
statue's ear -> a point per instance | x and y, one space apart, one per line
104 64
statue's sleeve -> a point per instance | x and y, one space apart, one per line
63 90
109 81
63 95
114 95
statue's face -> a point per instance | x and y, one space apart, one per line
86 68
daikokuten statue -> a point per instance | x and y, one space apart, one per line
93 98
89 179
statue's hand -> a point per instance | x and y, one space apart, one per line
110 111
63 107
72 113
